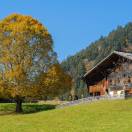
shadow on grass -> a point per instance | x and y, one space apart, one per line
4 113
9 108
33 108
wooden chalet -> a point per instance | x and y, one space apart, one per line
112 76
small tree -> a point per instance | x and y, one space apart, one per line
25 52
55 82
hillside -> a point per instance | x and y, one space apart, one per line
101 116
119 39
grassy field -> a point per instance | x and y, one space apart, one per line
102 116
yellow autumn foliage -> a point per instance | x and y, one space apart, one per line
24 47
55 82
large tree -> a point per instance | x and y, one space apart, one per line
25 52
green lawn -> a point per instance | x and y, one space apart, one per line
102 116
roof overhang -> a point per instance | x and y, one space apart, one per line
99 71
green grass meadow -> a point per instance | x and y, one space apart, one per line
101 116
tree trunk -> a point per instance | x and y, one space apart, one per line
18 105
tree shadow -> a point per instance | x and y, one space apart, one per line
34 108
9 109
4 113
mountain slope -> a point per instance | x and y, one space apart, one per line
119 39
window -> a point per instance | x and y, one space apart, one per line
124 75
129 80
110 81
118 80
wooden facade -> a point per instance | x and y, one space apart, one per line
112 76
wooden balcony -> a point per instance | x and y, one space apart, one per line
120 86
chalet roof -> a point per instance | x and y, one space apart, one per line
106 63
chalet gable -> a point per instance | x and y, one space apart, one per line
103 68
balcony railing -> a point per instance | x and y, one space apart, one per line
120 86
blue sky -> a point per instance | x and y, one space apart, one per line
74 24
